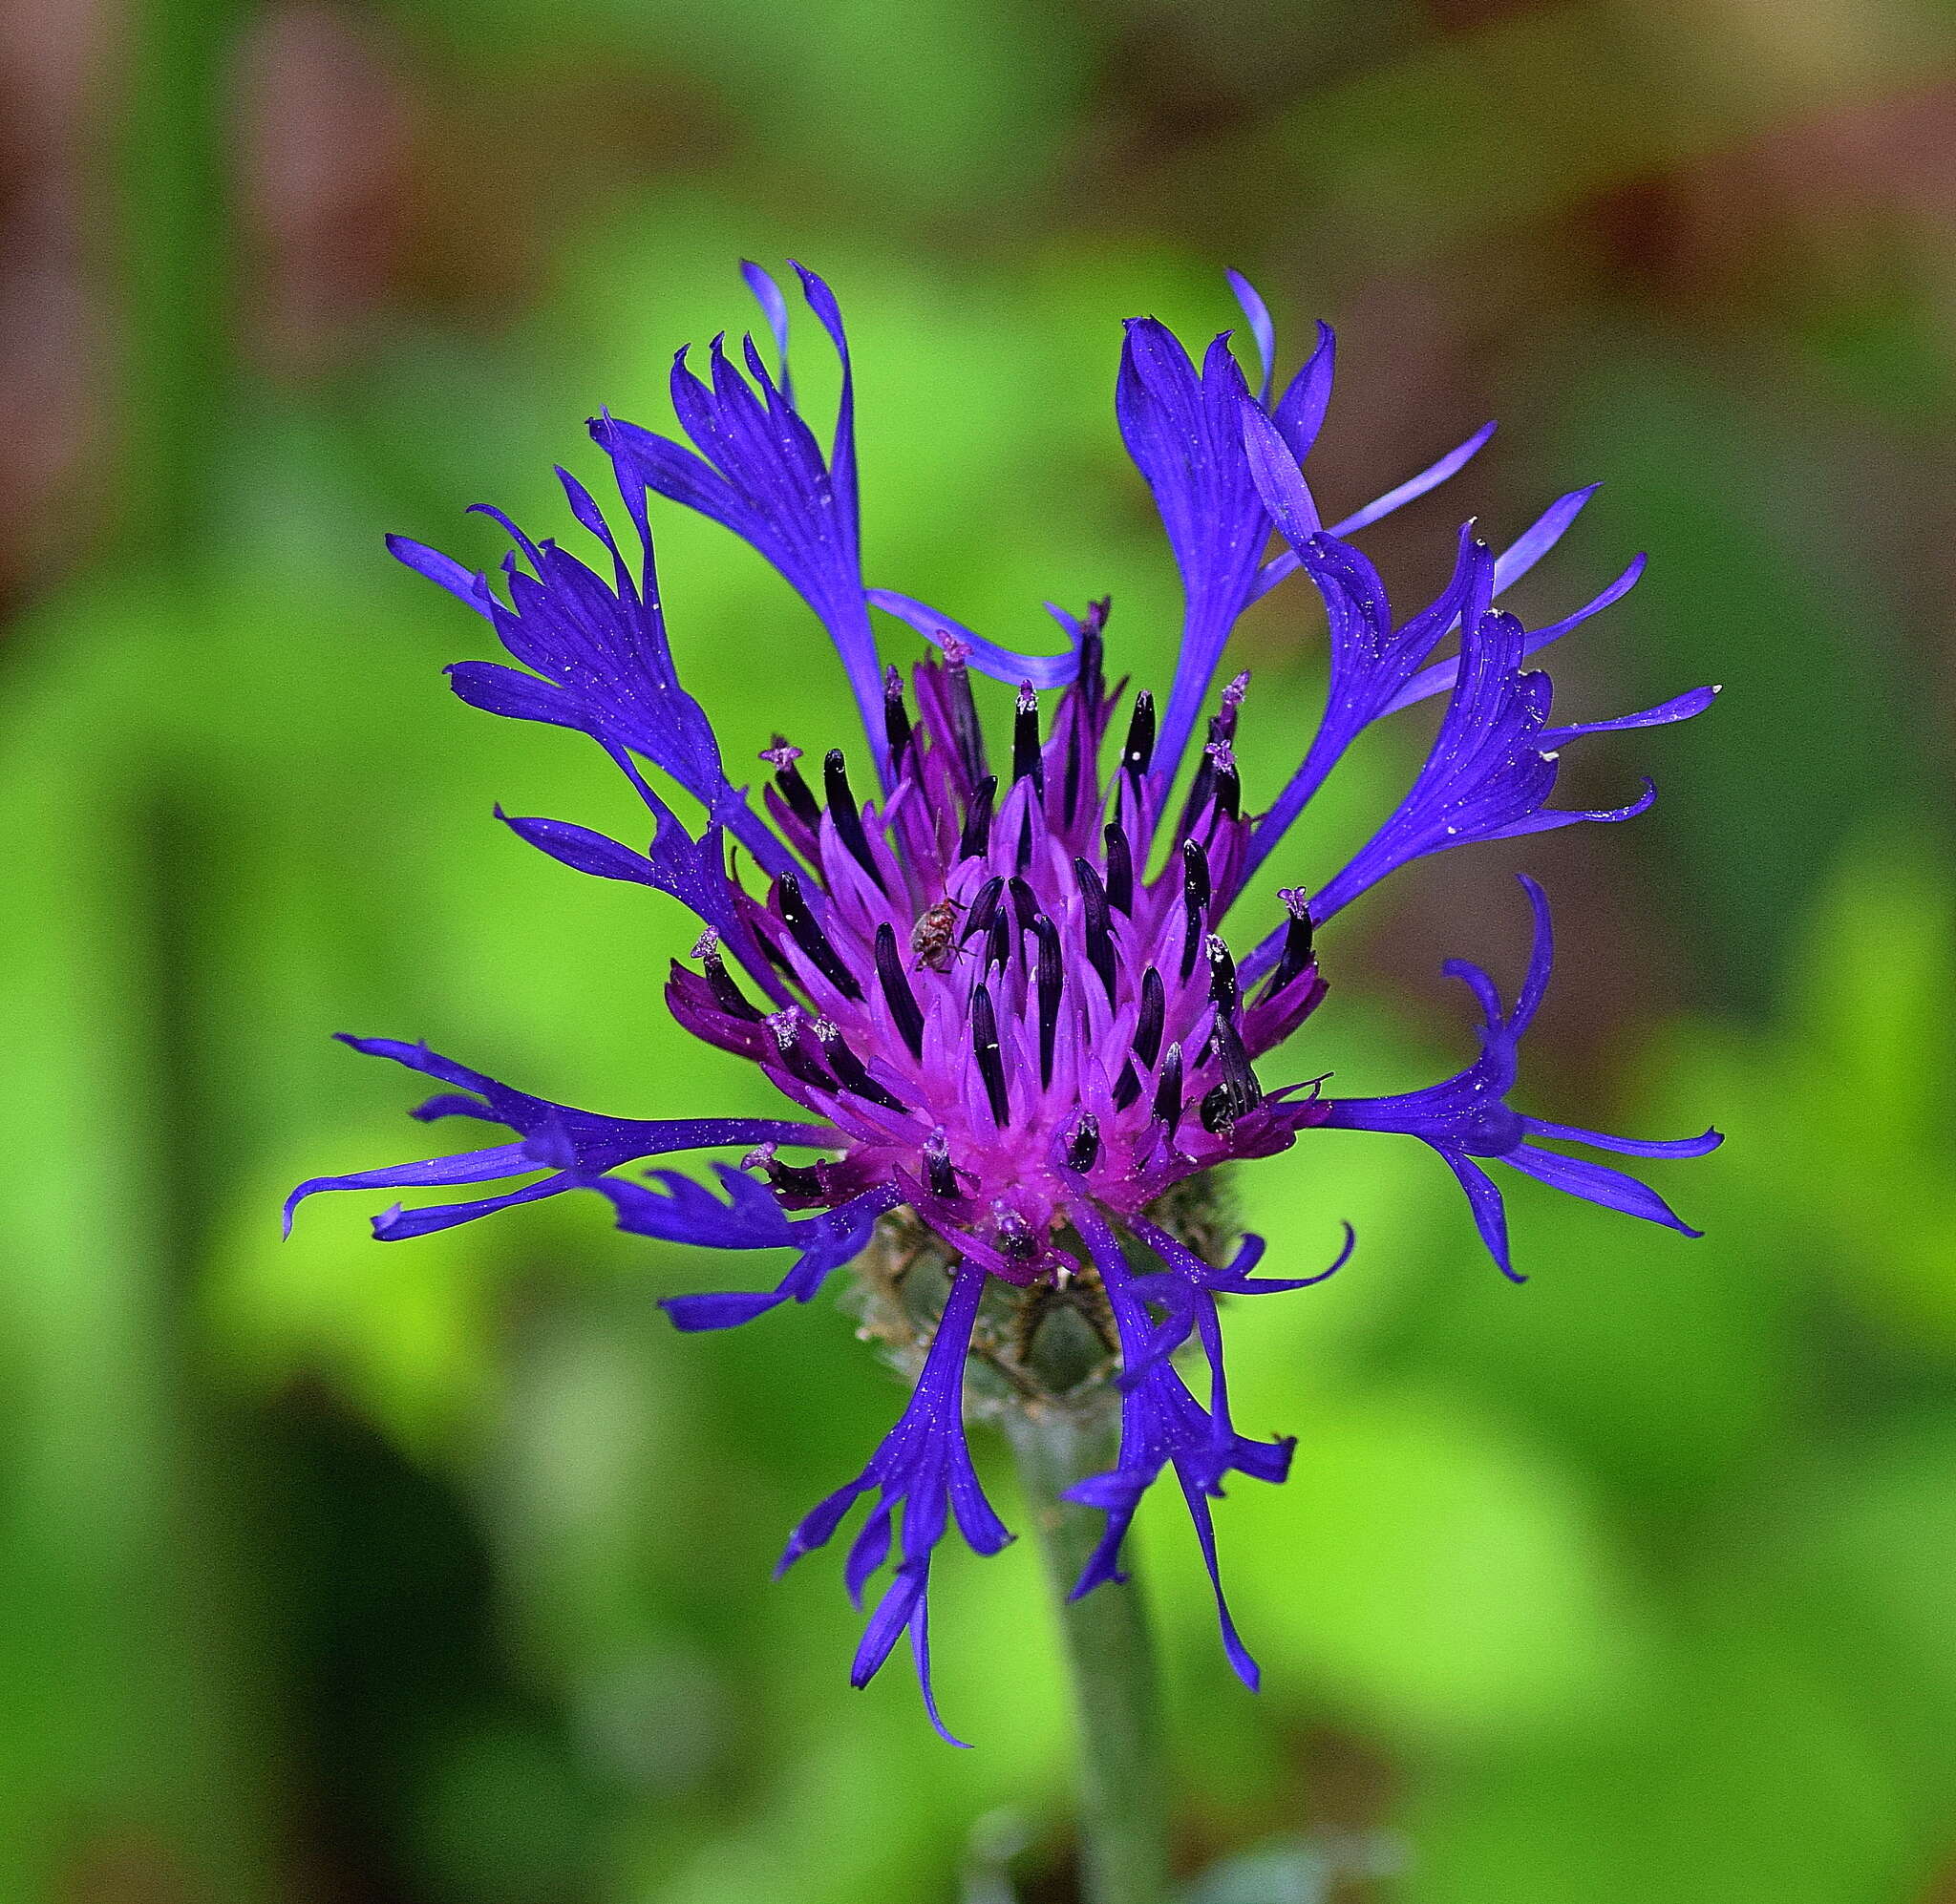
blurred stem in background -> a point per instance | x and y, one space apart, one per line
1110 1654
176 254
160 1782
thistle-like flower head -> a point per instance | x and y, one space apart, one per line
997 975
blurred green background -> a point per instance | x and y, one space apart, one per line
437 1574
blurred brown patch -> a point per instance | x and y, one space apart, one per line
50 329
326 149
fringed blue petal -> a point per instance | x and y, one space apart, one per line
1491 766
578 1145
826 1243
692 871
760 472
1180 427
924 1468
1467 1117
1164 1424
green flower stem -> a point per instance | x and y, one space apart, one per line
1123 1785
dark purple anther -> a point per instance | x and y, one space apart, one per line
1195 899
1091 683
896 989
797 1183
1222 976
847 815
727 995
998 940
977 834
1083 1147
1025 755
1227 784
793 788
967 735
991 1060
807 933
1025 904
1097 925
1168 1089
1246 1093
849 1069
938 1172
1016 1238
896 718
979 919
1050 981
1120 869
796 1060
1297 939
1140 748
1232 703
1148 1023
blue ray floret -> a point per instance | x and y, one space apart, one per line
989 972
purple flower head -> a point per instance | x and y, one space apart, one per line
991 969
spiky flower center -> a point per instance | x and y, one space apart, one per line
981 983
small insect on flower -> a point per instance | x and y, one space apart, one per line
934 937
1036 1102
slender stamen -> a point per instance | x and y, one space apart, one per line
896 717
797 1061
1195 874
1140 748
896 989
1024 905
1168 1089
1222 976
991 1060
1228 783
847 815
1100 929
793 789
965 732
998 941
977 833
1025 756
807 933
727 995
1297 939
937 1173
1246 1093
1148 1023
849 1068
1091 683
1051 980
1015 1236
979 919
1194 897
1232 703
801 1182
1120 869
1083 1147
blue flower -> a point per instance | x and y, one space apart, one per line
986 1009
